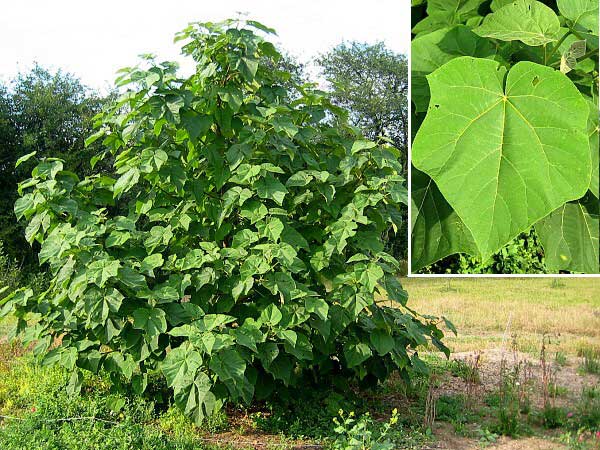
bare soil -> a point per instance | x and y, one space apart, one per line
490 366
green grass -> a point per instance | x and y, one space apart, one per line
43 416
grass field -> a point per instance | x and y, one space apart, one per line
490 311
489 394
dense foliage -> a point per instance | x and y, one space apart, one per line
50 113
371 82
237 246
505 101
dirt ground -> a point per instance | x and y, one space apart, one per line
448 440
490 365
493 362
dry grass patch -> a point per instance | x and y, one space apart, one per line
489 311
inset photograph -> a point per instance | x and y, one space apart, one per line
504 154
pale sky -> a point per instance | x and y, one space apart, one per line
93 39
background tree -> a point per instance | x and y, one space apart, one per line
371 82
291 71
47 112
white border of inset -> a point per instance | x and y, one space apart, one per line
455 275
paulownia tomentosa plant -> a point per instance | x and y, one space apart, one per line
505 108
237 248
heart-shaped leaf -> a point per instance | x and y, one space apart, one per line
517 149
196 400
180 366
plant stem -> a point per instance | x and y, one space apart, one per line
558 44
588 54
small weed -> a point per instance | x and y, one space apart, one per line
364 433
469 372
508 421
560 359
557 391
452 408
586 414
361 433
590 361
460 428
553 417
486 436
512 397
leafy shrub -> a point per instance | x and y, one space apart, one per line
505 98
236 249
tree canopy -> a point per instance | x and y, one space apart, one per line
371 82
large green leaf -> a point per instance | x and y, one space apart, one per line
301 348
126 181
317 306
180 366
152 320
382 341
356 354
228 365
196 400
271 188
102 270
271 315
581 12
437 230
569 236
248 68
100 304
528 21
504 154
433 50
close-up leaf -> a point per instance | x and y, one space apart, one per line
569 236
517 148
528 21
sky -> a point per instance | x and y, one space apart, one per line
93 40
